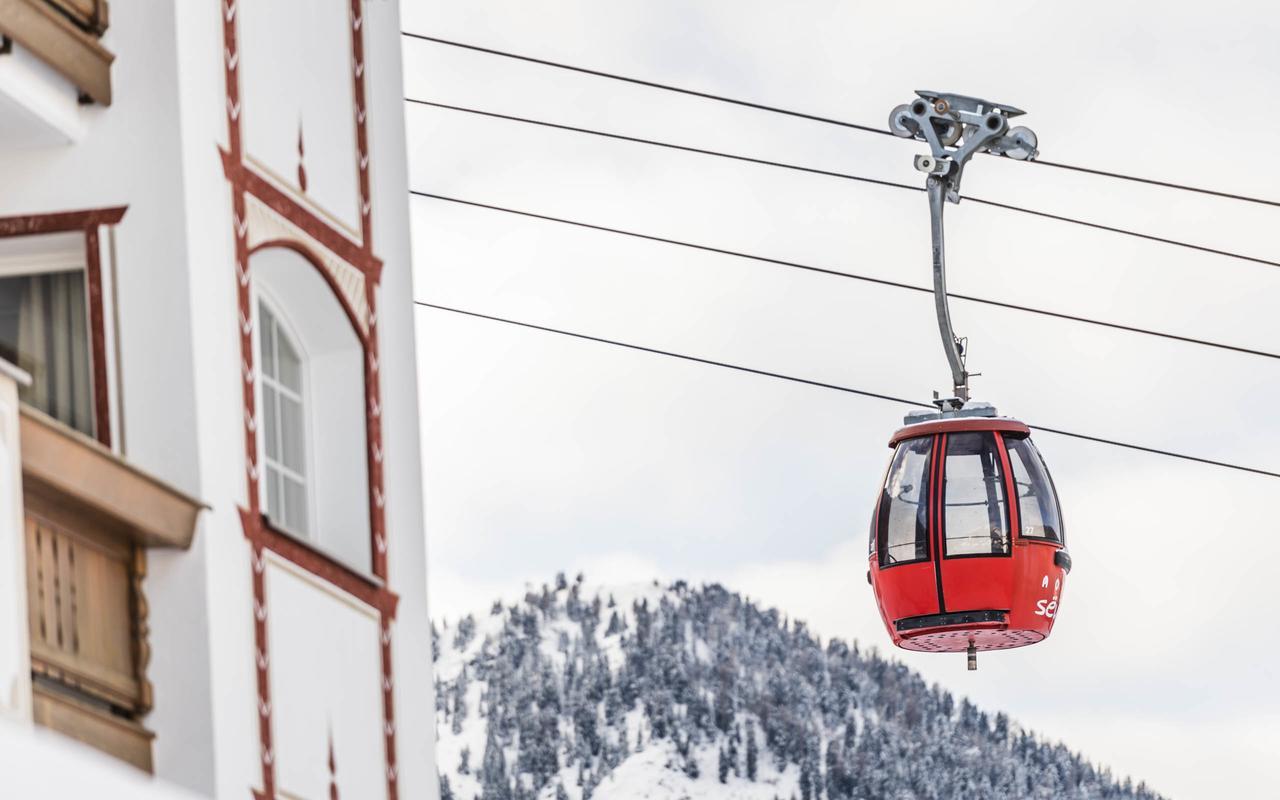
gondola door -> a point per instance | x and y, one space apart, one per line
905 581
972 522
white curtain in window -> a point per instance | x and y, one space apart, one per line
44 330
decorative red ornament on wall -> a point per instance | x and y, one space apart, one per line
246 183
302 170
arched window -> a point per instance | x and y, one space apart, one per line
311 407
284 424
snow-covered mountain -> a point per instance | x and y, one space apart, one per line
681 692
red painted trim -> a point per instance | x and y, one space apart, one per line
29 224
289 208
97 336
230 62
306 253
245 181
959 425
87 221
362 135
297 552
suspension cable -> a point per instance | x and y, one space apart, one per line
838 273
816 117
834 174
831 386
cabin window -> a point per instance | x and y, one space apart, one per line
903 534
976 509
1038 508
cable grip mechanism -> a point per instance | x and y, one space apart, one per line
955 127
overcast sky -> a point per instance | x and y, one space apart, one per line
544 453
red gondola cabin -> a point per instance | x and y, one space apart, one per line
955 566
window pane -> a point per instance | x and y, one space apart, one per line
290 364
976 516
270 421
44 330
274 509
292 452
267 340
1037 501
295 505
904 505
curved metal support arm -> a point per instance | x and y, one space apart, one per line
937 189
956 127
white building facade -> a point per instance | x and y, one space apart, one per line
216 530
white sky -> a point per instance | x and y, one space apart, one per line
544 453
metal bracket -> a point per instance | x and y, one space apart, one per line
955 127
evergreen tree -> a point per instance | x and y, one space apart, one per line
615 624
553 697
493 770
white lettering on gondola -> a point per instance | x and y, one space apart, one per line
1047 608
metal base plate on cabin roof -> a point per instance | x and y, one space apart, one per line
974 408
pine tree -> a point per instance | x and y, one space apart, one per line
493 770
615 625
855 725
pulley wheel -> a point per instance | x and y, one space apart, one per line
1024 143
948 131
901 123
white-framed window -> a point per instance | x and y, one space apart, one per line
284 423
313 480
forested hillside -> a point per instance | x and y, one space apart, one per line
653 692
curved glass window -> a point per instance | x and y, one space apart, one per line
903 534
976 510
1037 501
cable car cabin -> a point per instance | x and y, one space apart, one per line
955 565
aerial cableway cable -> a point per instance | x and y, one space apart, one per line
831 386
840 274
815 117
834 174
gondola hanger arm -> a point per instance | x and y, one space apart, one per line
956 127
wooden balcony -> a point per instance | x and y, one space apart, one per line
64 34
89 519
